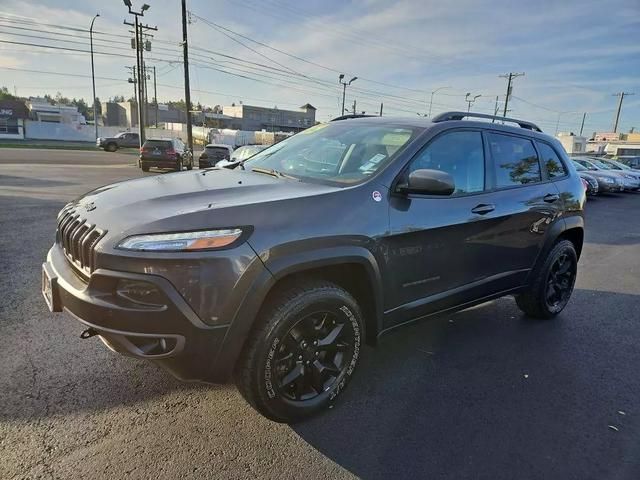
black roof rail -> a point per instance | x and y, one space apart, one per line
446 116
346 117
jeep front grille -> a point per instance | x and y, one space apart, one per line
78 239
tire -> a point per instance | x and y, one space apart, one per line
551 289
179 165
144 169
111 147
309 333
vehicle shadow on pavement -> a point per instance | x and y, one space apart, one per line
474 394
15 181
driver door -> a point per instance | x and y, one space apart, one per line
436 249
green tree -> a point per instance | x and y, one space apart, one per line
5 95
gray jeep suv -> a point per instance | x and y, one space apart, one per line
276 271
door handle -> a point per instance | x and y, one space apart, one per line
551 197
483 208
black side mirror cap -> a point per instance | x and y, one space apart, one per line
428 182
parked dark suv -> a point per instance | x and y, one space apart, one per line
277 271
165 153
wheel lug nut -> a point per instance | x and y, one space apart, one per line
317 353
299 357
308 362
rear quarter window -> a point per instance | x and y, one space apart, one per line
515 161
555 167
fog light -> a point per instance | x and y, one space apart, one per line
140 292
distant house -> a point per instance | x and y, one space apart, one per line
42 111
13 114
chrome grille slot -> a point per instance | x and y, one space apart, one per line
78 240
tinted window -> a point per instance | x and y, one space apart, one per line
555 167
161 144
460 154
217 153
515 160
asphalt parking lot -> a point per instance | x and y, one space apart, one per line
484 393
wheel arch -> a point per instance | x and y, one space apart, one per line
353 268
348 266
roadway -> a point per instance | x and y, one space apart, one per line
484 393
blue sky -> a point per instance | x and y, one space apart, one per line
576 54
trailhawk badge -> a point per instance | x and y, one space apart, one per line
377 196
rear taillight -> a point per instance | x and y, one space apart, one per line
172 153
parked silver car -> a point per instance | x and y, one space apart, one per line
625 182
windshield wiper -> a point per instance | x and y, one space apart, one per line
272 172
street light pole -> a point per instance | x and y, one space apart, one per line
470 101
93 76
344 87
431 101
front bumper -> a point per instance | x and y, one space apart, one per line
170 334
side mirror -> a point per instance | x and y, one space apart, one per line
429 182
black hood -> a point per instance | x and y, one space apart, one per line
178 201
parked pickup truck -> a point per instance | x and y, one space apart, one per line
121 140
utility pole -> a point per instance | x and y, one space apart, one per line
510 76
617 118
155 94
134 80
139 47
381 105
584 116
187 88
146 96
354 107
344 87
93 76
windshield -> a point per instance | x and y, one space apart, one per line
588 165
579 167
343 152
245 152
612 165
600 164
621 166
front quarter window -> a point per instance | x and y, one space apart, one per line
343 152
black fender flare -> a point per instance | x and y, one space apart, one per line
557 228
275 270
324 257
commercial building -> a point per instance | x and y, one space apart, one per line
125 114
271 119
13 114
572 143
42 111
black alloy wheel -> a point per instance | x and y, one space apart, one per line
313 356
552 282
560 282
303 352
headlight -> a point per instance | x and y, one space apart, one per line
184 241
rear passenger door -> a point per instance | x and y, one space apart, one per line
526 204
